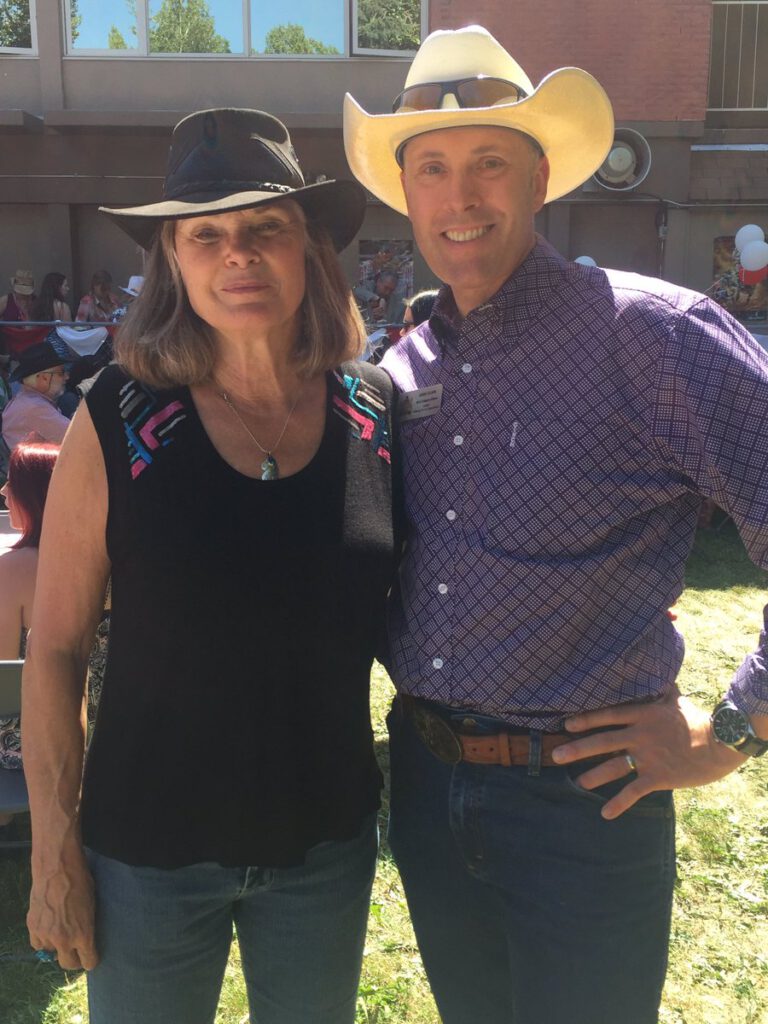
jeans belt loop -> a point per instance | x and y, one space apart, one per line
534 753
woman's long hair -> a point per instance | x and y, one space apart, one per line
29 473
164 343
50 292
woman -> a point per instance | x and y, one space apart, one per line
16 306
29 474
99 304
51 304
417 310
239 494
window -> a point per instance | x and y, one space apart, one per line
738 69
17 26
259 28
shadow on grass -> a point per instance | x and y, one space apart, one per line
27 986
719 561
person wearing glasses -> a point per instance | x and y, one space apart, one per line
560 425
32 411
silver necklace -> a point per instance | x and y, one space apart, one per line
269 468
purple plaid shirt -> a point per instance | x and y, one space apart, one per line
552 496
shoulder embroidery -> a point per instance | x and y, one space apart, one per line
148 425
363 408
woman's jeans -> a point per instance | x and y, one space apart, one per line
164 937
529 908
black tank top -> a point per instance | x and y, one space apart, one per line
234 724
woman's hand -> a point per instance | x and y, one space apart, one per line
61 912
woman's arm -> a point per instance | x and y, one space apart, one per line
72 575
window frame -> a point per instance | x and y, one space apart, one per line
25 51
362 51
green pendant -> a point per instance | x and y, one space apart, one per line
269 468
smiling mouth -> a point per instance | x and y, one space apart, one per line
469 235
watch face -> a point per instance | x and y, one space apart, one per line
730 726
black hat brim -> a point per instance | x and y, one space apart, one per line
338 206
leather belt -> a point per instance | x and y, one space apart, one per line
507 747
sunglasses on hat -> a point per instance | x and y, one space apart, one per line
469 92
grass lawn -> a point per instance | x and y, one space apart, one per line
719 952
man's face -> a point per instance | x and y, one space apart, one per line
385 285
472 194
52 383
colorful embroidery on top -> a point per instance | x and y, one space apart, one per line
364 409
147 426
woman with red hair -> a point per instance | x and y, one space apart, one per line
29 473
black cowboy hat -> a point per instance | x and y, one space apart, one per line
232 159
36 359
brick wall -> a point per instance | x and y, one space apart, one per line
651 56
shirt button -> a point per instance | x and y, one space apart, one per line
466 368
450 515
442 588
437 663
458 440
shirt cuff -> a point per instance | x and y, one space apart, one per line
749 689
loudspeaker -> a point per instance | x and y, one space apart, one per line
627 164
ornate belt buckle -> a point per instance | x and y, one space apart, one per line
437 735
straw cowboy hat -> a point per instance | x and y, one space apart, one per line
232 159
23 282
568 113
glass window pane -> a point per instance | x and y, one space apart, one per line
394 26
99 26
298 26
195 26
15 24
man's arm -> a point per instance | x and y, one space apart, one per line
710 414
72 576
50 423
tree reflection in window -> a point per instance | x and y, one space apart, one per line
15 24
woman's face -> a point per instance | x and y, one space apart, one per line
64 289
244 269
408 324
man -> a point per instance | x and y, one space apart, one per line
33 409
375 300
562 424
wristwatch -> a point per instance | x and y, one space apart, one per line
733 729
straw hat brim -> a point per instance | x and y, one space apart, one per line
339 206
569 115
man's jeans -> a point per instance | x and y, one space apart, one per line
528 907
164 936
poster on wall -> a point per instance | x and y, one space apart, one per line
747 302
385 280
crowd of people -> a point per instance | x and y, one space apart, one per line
501 512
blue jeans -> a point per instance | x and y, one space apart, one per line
164 937
528 907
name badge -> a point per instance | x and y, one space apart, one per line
414 405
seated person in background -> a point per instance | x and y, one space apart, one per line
417 310
17 304
51 302
33 410
25 493
374 302
99 304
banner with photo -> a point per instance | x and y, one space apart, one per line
747 302
385 280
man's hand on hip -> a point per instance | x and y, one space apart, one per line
664 745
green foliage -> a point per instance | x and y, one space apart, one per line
75 19
291 38
185 26
395 25
116 40
15 26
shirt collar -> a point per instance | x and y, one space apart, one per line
518 303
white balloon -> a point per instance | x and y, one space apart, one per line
754 255
585 261
749 233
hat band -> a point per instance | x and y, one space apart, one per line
226 188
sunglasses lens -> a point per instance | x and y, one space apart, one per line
485 92
420 97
